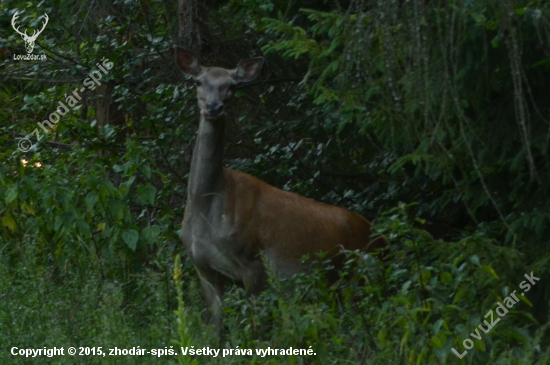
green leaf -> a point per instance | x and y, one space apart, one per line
437 325
91 199
8 221
489 270
406 286
148 193
91 181
109 187
124 188
151 233
382 334
479 18
130 237
29 99
116 209
446 277
460 294
479 345
146 170
11 194
64 219
404 340
524 299
436 342
529 316
83 228
27 208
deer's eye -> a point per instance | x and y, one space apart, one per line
198 83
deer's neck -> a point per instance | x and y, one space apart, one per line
207 162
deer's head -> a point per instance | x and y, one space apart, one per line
28 39
215 85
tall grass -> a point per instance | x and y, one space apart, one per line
433 294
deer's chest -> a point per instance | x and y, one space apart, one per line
211 243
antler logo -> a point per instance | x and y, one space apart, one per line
29 40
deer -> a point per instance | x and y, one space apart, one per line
234 222
28 39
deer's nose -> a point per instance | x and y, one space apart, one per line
214 109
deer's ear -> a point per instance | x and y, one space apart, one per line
248 69
187 62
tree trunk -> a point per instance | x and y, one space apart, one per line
193 25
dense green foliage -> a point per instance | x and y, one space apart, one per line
430 118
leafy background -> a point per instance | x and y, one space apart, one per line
430 118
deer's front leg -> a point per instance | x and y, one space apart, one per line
213 284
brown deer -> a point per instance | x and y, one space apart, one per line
232 217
